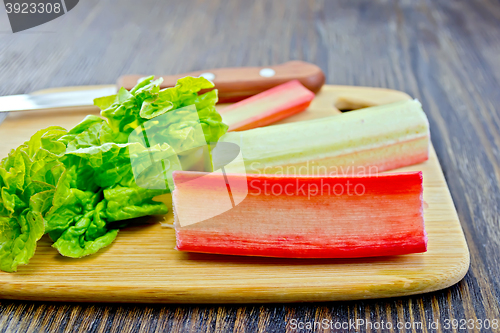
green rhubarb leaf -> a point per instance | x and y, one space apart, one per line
146 101
87 236
76 220
109 167
18 238
25 175
68 203
73 244
125 203
104 102
100 166
42 202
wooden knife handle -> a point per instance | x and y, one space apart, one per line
237 83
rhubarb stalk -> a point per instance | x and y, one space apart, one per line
267 107
368 140
300 216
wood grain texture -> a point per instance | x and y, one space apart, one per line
151 271
445 53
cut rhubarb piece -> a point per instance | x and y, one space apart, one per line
267 107
363 141
299 216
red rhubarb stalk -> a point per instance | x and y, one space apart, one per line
299 216
267 107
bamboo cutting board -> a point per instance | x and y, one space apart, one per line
142 265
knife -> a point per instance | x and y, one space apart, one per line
234 84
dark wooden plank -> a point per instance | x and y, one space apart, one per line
445 53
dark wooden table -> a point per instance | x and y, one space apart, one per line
445 53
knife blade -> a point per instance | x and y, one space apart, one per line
234 84
53 100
